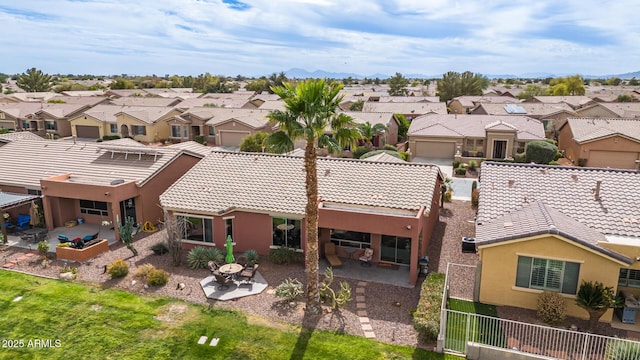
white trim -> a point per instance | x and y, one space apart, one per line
544 257
228 217
195 242
278 247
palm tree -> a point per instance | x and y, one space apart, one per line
310 109
596 299
367 131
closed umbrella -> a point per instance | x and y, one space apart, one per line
33 214
229 258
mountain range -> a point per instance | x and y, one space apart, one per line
297 73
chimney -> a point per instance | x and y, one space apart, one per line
597 189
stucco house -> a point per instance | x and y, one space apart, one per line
40 118
472 136
465 104
410 110
601 142
145 123
94 181
548 228
611 110
96 123
259 200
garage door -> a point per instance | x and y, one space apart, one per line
434 149
612 159
84 131
232 138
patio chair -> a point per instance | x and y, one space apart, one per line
242 260
22 223
248 274
213 266
365 259
330 255
223 282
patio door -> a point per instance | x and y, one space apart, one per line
395 249
128 209
499 149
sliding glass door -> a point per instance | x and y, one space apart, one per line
395 249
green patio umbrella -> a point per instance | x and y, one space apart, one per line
229 258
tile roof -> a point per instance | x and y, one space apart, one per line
18 135
532 109
102 113
384 157
417 108
471 101
9 200
147 114
25 162
384 118
588 129
192 146
573 100
145 101
475 126
276 183
508 187
625 110
538 219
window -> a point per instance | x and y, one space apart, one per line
34 192
94 208
138 130
474 145
212 131
286 232
175 131
629 277
113 128
520 147
545 274
228 224
50 125
197 228
25 124
351 238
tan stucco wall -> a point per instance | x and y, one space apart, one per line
575 151
415 138
499 264
509 137
597 112
89 121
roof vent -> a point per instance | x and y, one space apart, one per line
117 181
574 177
511 182
327 172
508 224
544 171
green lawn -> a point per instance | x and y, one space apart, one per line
92 323
482 330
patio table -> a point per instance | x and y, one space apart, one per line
230 269
34 235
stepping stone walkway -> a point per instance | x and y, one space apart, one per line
12 263
361 307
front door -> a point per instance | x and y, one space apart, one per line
499 149
124 131
128 209
395 249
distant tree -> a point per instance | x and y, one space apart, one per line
254 143
570 85
613 81
218 85
368 131
259 85
531 91
121 84
625 98
279 79
454 84
632 82
397 85
357 105
403 127
34 80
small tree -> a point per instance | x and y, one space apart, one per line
596 299
254 143
551 308
540 152
338 299
126 233
176 229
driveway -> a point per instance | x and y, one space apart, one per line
445 165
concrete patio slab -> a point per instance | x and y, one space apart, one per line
237 289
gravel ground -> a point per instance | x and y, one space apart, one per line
391 324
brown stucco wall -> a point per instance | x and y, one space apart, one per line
575 151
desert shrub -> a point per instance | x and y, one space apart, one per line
337 299
389 147
456 164
554 163
426 318
622 350
404 155
582 162
111 137
117 269
64 244
160 248
540 152
43 248
252 256
143 271
199 139
157 277
474 185
473 165
197 258
284 255
213 254
460 171
475 198
551 308
447 195
69 269
558 155
359 151
520 158
289 289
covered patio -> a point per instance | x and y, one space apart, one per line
351 269
10 201
80 230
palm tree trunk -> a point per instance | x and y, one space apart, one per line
311 251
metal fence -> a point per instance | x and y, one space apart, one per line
458 329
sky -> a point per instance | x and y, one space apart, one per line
260 37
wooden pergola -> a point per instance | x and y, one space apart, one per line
9 201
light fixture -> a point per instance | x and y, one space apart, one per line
107 193
408 227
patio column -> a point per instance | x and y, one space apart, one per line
48 212
3 227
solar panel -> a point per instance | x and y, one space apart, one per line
514 109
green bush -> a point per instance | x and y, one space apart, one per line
475 198
404 155
118 269
197 258
460 171
456 164
520 158
558 155
389 147
43 248
554 163
359 151
540 152
199 139
284 255
111 137
252 256
157 277
472 165
426 318
213 254
160 248
551 308
143 271
289 289
622 350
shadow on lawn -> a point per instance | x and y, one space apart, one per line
309 321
